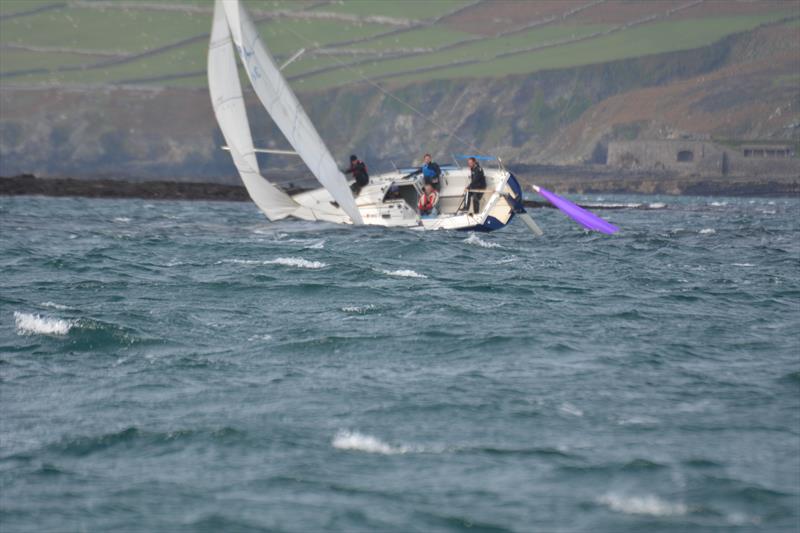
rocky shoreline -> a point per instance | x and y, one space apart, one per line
576 181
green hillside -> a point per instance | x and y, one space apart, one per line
165 43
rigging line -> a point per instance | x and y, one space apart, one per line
387 93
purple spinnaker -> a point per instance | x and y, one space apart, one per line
579 214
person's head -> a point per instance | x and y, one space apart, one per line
353 158
428 188
472 162
426 159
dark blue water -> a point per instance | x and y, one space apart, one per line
177 366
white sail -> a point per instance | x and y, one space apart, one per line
229 108
284 108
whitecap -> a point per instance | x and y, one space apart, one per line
241 262
708 231
34 324
643 505
404 273
317 245
718 204
474 239
265 337
570 409
638 421
657 205
297 262
53 305
353 440
357 309
743 265
123 220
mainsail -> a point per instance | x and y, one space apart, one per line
284 108
226 97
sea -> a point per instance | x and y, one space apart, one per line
190 366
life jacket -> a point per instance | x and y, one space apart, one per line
427 202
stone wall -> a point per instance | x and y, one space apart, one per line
698 157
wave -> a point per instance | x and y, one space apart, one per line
743 265
53 305
404 273
123 220
570 409
474 239
297 262
708 231
656 205
35 324
642 505
358 309
355 441
88 444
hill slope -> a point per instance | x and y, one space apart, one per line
534 82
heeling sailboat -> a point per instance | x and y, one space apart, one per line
233 28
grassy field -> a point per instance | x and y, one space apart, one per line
60 37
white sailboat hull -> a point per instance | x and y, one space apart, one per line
501 200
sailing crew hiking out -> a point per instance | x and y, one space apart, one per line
359 171
428 201
477 185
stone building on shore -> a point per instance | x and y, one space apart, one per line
705 158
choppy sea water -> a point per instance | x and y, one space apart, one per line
179 366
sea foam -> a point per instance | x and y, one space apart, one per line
297 262
53 305
34 324
404 273
642 505
474 239
353 440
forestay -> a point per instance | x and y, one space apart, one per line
229 108
284 108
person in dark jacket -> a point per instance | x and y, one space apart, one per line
359 171
476 186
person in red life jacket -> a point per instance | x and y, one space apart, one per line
477 183
359 171
428 201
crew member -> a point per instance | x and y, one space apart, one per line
428 201
359 171
431 172
477 185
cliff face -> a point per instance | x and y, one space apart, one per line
745 86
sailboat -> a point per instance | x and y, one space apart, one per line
390 199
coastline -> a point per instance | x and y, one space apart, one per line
575 181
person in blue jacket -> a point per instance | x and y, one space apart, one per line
431 172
